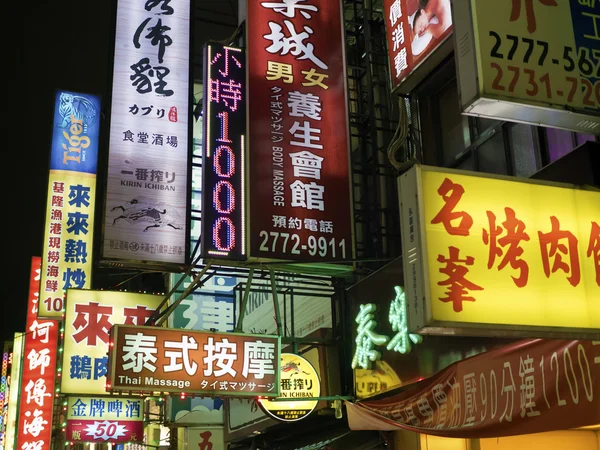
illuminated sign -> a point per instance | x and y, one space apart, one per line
15 391
105 419
299 379
36 397
69 228
223 216
146 359
538 65
485 254
418 32
367 339
299 184
147 192
88 320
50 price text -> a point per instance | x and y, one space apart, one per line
276 242
520 49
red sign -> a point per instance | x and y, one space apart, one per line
298 132
414 29
113 431
38 375
143 359
527 387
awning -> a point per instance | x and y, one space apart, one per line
526 387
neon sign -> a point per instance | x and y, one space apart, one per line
224 127
367 340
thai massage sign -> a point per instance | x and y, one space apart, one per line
298 132
368 340
143 359
484 254
105 419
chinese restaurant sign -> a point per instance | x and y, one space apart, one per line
193 362
526 387
299 379
36 397
105 419
530 61
487 254
414 30
147 186
224 131
69 227
298 132
88 320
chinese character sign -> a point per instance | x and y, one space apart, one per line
504 252
526 387
414 29
147 193
198 362
69 227
38 373
88 320
105 419
205 438
224 121
298 136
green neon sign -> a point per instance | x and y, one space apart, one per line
367 340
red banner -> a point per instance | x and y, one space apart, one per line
38 374
298 132
113 431
527 387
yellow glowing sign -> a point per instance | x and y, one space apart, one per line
88 319
105 408
500 251
299 380
540 51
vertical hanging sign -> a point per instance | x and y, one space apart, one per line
223 229
69 229
38 373
147 194
298 133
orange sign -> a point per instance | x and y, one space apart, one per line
143 359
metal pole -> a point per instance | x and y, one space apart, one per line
238 328
275 302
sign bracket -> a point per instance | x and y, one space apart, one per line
238 328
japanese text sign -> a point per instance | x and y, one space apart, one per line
196 362
88 320
414 29
299 379
69 227
147 196
529 53
105 419
224 131
36 397
298 157
488 254
526 387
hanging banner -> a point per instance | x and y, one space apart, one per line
69 229
299 201
146 215
418 37
38 373
143 359
224 131
527 387
88 320
105 419
499 256
532 62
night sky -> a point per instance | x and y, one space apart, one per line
58 44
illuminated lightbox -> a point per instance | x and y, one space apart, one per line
224 127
